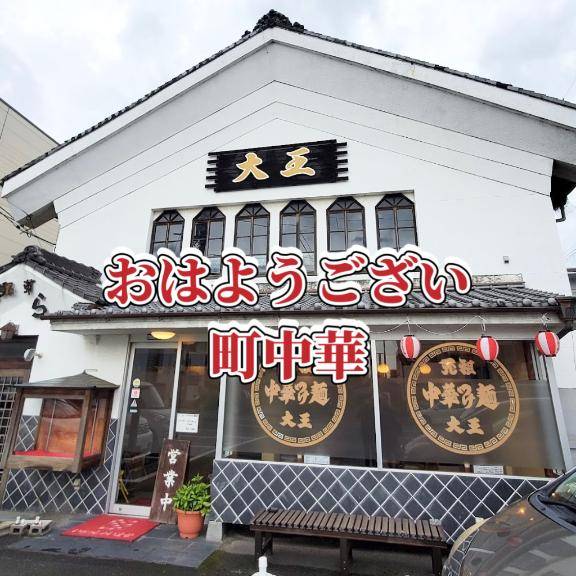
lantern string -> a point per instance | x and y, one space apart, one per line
392 329
409 324
444 333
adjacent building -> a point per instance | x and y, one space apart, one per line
20 142
421 154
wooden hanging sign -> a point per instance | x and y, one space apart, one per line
272 166
170 476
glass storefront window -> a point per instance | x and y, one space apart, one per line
452 411
198 395
309 421
447 411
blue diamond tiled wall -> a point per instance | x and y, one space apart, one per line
47 491
240 489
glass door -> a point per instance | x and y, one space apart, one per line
197 408
147 423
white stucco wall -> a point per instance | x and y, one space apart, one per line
18 308
61 354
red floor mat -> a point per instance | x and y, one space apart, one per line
112 527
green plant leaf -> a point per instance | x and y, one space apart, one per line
194 496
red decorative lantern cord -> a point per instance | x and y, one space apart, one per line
548 343
487 348
410 347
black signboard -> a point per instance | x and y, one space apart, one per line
273 166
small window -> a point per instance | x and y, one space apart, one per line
167 232
396 222
208 236
298 230
252 230
346 227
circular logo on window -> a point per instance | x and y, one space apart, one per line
302 413
460 402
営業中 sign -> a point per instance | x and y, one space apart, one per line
170 476
272 166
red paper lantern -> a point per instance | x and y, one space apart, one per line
547 342
410 347
487 348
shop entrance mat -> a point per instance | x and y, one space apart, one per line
161 546
112 527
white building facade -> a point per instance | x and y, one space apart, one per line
460 166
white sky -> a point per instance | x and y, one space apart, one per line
67 64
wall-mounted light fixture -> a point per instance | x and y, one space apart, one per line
162 334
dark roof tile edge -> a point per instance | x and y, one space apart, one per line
520 300
81 280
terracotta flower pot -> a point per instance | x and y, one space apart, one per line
190 524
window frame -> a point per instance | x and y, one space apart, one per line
311 210
211 211
331 209
385 205
157 222
252 207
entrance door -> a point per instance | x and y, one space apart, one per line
148 407
198 396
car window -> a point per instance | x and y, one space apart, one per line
150 399
566 490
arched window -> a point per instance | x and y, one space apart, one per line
396 221
298 229
208 236
252 230
167 232
345 225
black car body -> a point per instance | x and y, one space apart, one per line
534 537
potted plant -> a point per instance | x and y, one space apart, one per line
192 502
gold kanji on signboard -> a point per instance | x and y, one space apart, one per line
459 402
298 163
303 413
250 167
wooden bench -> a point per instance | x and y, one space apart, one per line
348 527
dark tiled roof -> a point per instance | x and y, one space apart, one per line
497 298
82 280
274 19
83 381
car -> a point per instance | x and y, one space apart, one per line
533 537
